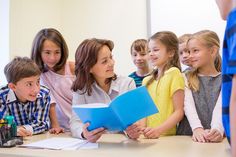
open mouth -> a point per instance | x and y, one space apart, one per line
33 95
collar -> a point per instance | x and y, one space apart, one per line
11 97
114 86
171 69
210 75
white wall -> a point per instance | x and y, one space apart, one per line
27 17
119 20
4 38
185 16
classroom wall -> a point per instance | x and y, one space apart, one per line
4 38
119 20
27 17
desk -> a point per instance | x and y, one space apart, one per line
117 145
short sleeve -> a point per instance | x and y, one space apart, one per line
177 81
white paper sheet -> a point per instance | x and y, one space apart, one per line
57 143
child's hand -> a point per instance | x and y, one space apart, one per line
94 135
199 135
213 135
21 131
151 132
134 131
56 130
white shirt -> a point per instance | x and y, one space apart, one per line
118 86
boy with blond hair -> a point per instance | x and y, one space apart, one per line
184 52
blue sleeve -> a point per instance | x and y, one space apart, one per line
40 121
231 44
3 108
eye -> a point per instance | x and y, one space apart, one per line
58 52
134 54
142 54
47 52
28 84
104 61
195 50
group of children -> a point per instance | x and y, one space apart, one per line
41 90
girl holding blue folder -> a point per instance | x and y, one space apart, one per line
96 82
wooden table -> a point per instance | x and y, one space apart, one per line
117 145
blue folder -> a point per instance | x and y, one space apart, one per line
122 112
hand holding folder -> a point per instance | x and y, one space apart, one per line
122 112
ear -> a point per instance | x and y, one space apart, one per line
12 86
214 51
91 70
171 53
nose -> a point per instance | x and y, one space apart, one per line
111 62
150 53
186 54
139 57
52 57
36 88
190 56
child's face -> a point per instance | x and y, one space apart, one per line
158 54
200 55
140 59
184 54
26 89
225 7
104 68
51 54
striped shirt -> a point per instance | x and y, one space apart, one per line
137 79
228 68
33 116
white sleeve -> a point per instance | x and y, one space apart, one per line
190 108
216 122
132 85
53 100
76 126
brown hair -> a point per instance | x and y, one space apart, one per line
85 58
19 68
54 36
139 45
184 38
209 39
170 40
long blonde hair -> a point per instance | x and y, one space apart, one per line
209 39
170 40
